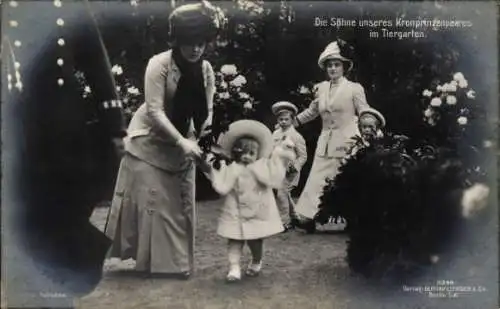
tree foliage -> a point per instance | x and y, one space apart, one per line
275 46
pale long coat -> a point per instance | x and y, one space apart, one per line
338 105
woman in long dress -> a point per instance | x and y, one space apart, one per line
152 216
337 101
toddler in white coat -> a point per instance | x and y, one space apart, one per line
249 213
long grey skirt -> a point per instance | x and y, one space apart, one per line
152 217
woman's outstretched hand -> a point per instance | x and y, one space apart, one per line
190 147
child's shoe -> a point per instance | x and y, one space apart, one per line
253 270
234 275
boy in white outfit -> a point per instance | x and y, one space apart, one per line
285 113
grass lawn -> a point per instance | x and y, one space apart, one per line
300 271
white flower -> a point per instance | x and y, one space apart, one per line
259 10
463 83
436 102
474 199
471 94
117 70
462 120
428 112
487 144
454 83
222 43
244 95
458 77
247 105
304 90
118 88
134 3
19 86
451 100
427 93
434 259
133 90
449 87
223 85
87 89
224 95
229 69
439 88
239 81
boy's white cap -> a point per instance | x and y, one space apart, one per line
283 105
375 113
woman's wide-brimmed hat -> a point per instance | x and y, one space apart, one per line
281 106
375 113
248 128
195 23
331 52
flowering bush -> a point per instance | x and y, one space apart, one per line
450 101
456 122
397 193
129 94
231 103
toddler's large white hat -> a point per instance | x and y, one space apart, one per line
248 128
332 51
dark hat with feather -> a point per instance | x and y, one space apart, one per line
195 23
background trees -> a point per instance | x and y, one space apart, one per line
275 46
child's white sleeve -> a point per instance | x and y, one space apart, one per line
223 180
271 171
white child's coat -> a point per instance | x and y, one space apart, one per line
249 210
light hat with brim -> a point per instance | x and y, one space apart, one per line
281 106
247 128
375 113
332 52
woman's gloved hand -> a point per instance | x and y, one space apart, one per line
190 147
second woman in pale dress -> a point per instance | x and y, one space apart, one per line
338 101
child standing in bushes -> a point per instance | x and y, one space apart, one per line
249 213
285 131
370 125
